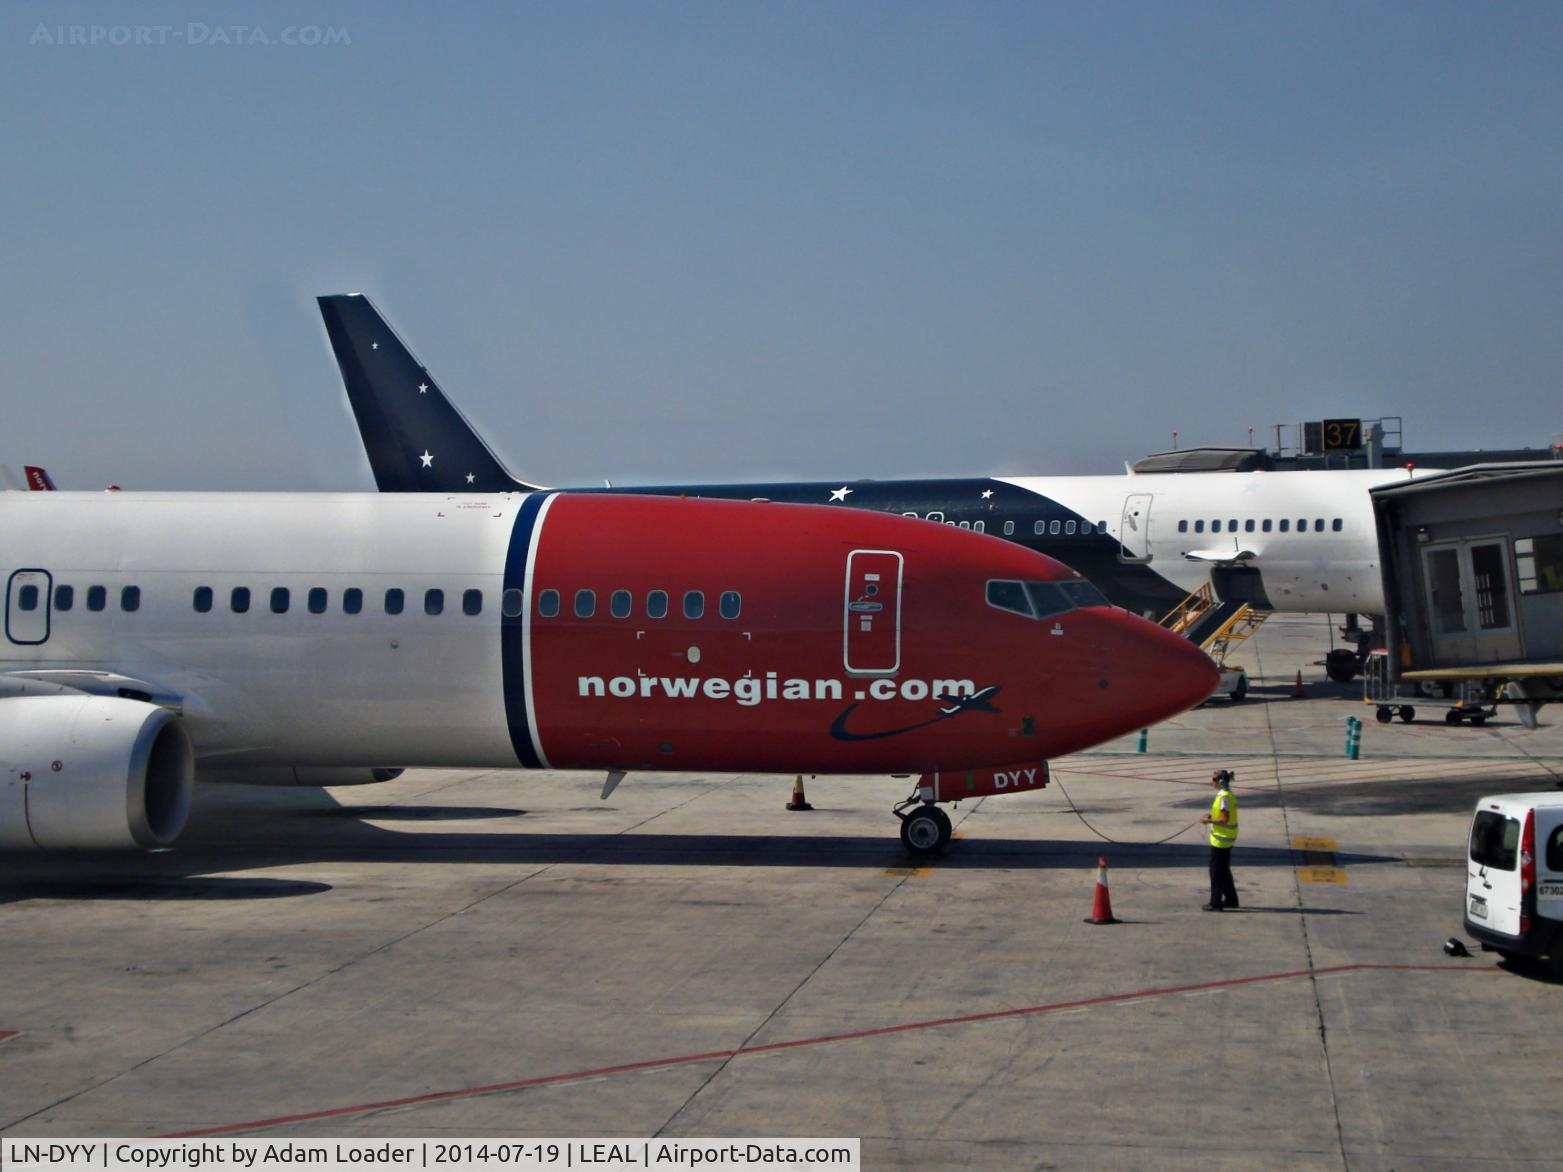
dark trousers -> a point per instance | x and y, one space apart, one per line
1223 893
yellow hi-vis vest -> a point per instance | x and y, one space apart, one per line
1223 834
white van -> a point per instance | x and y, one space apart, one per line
1514 876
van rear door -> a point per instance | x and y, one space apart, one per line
1549 864
1492 886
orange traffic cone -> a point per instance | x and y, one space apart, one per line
1102 905
799 802
1297 687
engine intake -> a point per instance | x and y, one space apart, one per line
92 772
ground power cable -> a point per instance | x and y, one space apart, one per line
1086 822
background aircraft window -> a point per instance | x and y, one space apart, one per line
1318 524
965 524
730 604
395 600
1265 525
657 604
64 597
317 600
1232 525
1248 525
1183 526
1083 593
1009 596
239 600
1039 528
27 598
1335 525
352 600
1286 524
1199 526
979 526
1053 527
585 603
512 603
130 598
1302 524
1047 599
548 603
1069 527
619 604
472 602
97 597
1009 528
279 600
434 601
694 604
203 599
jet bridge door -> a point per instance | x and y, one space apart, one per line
871 637
1134 528
28 595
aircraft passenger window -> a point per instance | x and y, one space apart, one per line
585 603
317 600
1232 525
130 598
979 526
657 604
1286 525
1335 525
471 602
27 598
1047 599
619 604
97 597
965 524
1009 596
1009 528
1265 525
512 603
64 597
694 604
548 604
203 599
433 602
279 600
1069 528
1053 527
1199 526
1302 524
1318 525
352 600
1101 526
730 604
1039 528
1248 525
239 600
395 600
1183 526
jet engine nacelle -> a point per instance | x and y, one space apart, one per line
92 772
301 775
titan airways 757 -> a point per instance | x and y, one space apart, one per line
1290 541
153 638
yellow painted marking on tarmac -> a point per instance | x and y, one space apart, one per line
1304 843
908 872
1321 875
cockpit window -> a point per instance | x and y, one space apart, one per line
1040 600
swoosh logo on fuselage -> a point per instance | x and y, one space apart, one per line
954 706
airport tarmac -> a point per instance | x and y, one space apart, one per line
483 953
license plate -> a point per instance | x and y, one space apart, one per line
1478 907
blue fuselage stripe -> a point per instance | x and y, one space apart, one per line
513 632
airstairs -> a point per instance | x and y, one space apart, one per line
1218 628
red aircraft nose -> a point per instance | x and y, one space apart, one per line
1153 673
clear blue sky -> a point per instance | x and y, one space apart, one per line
662 242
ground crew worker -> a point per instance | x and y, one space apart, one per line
1222 821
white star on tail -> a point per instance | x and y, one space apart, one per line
987 494
428 460
470 478
423 388
839 494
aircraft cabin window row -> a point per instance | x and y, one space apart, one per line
1265 525
621 604
1055 528
279 599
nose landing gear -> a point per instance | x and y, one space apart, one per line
925 828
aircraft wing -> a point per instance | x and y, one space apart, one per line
56 682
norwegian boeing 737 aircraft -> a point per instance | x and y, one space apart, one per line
1290 541
151 638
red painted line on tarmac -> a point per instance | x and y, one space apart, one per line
798 1043
5 1034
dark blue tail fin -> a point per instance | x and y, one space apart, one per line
415 438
